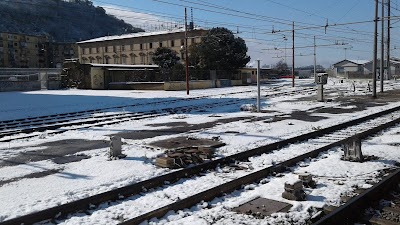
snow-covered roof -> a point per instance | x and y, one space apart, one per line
122 65
358 61
134 35
355 61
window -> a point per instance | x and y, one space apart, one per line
107 60
91 60
160 44
192 41
172 43
150 45
90 52
106 49
131 46
98 60
15 44
141 46
114 48
122 47
97 50
142 59
182 42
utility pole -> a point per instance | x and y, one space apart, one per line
293 55
388 68
382 62
375 51
186 55
315 59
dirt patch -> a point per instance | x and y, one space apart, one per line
180 127
186 142
55 150
305 116
32 175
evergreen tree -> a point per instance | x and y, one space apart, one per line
166 59
220 50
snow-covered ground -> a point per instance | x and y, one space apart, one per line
97 174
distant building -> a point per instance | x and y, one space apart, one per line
28 51
59 52
23 51
344 67
362 69
136 48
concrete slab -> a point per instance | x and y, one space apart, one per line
262 207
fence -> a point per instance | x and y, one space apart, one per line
29 79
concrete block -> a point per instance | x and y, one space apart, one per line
165 162
352 150
116 148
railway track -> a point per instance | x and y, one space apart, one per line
60 123
382 203
320 141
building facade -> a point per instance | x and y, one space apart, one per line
137 48
23 51
59 52
28 51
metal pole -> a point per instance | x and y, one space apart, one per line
382 62
186 55
293 55
315 59
388 68
258 85
375 50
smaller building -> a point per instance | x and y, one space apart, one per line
344 67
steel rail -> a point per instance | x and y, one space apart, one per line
133 189
118 118
236 184
99 110
348 213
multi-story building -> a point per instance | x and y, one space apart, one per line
59 52
19 50
28 51
137 48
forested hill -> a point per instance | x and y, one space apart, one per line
64 20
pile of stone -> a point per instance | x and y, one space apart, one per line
307 180
294 191
182 157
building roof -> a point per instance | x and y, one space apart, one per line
358 61
122 65
134 35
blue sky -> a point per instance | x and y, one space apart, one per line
256 19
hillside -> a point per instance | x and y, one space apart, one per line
65 21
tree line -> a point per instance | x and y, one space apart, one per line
63 21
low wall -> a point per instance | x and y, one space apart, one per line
224 83
53 85
194 84
136 86
19 86
237 82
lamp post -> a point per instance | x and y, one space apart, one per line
258 85
186 55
